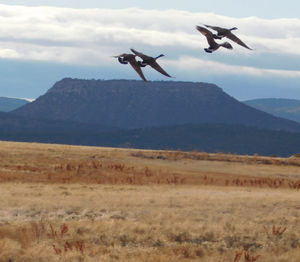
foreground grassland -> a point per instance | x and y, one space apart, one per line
67 203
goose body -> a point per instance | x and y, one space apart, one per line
224 32
130 58
213 45
151 61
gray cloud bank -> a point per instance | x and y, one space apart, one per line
91 36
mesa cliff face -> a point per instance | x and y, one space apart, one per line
137 104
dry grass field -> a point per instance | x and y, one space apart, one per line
73 203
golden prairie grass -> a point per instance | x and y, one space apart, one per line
195 155
147 223
41 163
64 203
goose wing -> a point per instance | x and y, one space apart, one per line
137 68
158 68
207 34
216 28
141 55
151 62
234 38
132 61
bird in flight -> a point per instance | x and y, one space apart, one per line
130 58
213 45
224 32
151 61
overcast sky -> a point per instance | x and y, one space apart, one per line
44 41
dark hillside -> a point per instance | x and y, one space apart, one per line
15 124
201 137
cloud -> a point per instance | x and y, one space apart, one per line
207 67
91 36
8 53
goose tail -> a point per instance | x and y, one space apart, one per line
227 45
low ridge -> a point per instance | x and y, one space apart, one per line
8 104
281 107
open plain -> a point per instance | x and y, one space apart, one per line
76 203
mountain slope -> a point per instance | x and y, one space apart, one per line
137 104
286 108
14 124
9 104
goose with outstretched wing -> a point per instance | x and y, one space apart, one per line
151 61
213 45
224 32
130 58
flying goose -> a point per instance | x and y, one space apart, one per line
130 58
213 45
151 61
224 32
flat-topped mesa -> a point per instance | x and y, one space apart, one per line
138 104
73 84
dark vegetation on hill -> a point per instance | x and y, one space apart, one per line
202 137
14 124
137 104
286 108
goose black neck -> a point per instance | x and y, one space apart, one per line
159 56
